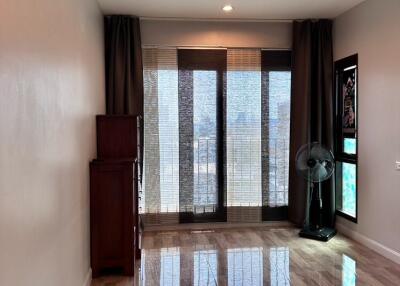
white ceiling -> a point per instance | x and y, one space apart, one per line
243 9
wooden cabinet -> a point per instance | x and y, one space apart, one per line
112 214
114 183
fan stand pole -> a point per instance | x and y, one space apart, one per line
315 208
313 228
310 188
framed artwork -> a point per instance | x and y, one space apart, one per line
349 89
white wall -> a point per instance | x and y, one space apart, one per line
51 86
217 33
372 30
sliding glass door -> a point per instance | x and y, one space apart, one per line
200 134
276 95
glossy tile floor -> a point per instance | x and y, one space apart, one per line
255 256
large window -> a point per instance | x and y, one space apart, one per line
346 137
279 132
216 135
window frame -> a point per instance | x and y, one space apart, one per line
340 156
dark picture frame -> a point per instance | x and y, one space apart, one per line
348 89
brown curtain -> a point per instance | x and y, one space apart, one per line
311 109
124 68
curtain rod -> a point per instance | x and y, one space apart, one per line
248 20
211 47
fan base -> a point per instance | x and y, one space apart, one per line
322 234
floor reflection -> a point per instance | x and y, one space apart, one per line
279 266
245 266
349 277
236 266
256 256
170 266
205 268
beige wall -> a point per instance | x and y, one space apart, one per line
372 30
217 33
51 86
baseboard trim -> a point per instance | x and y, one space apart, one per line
88 278
383 250
215 225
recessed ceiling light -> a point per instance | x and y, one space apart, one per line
227 8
